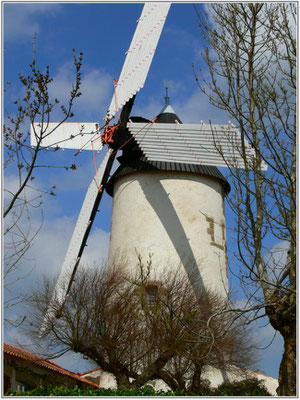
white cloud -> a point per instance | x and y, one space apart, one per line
97 248
46 254
75 362
267 342
190 110
173 86
275 28
276 260
71 181
96 89
12 184
71 361
270 348
45 257
197 108
50 246
21 20
148 110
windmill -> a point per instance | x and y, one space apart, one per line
163 145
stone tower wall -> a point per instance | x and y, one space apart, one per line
178 218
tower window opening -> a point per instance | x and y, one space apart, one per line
151 295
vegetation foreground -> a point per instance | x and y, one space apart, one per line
249 387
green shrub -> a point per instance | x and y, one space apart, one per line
248 387
63 391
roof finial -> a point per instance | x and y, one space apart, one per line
167 98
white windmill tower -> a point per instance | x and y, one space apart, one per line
168 204
168 193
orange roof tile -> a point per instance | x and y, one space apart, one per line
260 373
17 352
89 371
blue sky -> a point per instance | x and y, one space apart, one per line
103 33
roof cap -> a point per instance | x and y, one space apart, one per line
167 114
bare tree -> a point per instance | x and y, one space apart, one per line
251 60
22 162
141 329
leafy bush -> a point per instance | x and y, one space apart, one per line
248 387
76 391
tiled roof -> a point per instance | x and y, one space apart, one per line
259 373
22 354
89 371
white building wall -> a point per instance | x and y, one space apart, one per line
214 376
105 380
178 218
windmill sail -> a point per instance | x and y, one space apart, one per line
132 78
139 54
215 145
78 240
67 135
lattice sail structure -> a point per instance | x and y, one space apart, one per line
139 54
74 136
76 246
216 145
68 135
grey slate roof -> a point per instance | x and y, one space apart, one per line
130 165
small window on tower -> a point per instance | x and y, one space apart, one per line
151 294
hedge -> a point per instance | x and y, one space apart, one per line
249 387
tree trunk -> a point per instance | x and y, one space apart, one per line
197 383
282 317
123 381
153 370
287 370
170 381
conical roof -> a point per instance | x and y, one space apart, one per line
167 115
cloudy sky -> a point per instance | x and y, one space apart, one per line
102 32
